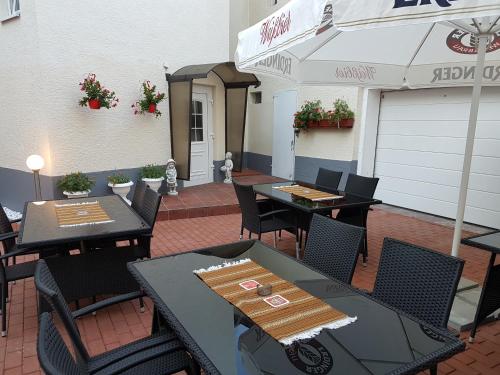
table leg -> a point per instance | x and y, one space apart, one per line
490 295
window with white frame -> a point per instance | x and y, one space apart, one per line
13 7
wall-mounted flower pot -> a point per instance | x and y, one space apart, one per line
346 123
319 124
94 104
152 108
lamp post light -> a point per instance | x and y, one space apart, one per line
35 163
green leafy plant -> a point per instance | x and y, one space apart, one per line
74 182
149 101
118 178
95 91
310 111
341 111
152 171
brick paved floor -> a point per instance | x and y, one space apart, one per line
121 324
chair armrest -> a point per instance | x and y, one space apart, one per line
275 212
142 357
14 253
105 303
7 236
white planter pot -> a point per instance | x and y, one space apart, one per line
121 189
154 183
76 194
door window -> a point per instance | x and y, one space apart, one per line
197 122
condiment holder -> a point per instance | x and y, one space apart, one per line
265 290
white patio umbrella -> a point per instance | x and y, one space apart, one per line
387 44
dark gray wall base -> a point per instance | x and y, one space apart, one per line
258 162
306 168
218 174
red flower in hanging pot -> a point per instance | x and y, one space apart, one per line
94 104
96 96
149 101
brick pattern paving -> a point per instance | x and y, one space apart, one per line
121 324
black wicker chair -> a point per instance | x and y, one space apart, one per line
157 354
328 179
332 247
418 281
363 187
10 270
263 216
138 197
105 271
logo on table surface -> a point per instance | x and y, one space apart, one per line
274 28
310 357
414 3
465 43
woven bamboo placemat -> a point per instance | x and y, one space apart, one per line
78 214
303 317
308 193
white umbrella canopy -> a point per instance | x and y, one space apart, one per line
388 44
415 53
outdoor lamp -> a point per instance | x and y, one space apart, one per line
35 163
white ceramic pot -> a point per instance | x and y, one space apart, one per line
76 194
154 183
121 189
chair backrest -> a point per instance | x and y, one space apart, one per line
139 191
53 354
360 185
49 290
417 280
6 227
332 247
328 179
248 204
149 207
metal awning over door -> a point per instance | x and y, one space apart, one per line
180 86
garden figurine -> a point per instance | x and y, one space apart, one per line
171 177
227 168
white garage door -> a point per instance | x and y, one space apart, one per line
420 146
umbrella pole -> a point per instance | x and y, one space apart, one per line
469 146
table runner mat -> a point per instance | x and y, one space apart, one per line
78 214
308 193
302 318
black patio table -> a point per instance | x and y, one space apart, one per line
40 228
489 301
224 341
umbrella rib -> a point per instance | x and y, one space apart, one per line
420 47
494 26
462 26
337 33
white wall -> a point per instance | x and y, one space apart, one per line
123 42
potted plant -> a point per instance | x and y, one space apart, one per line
342 116
120 184
309 116
96 96
153 175
75 185
149 101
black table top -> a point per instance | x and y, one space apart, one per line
39 226
224 341
488 241
306 205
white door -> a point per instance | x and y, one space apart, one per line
420 147
201 138
285 105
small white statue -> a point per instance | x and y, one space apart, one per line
227 168
171 177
